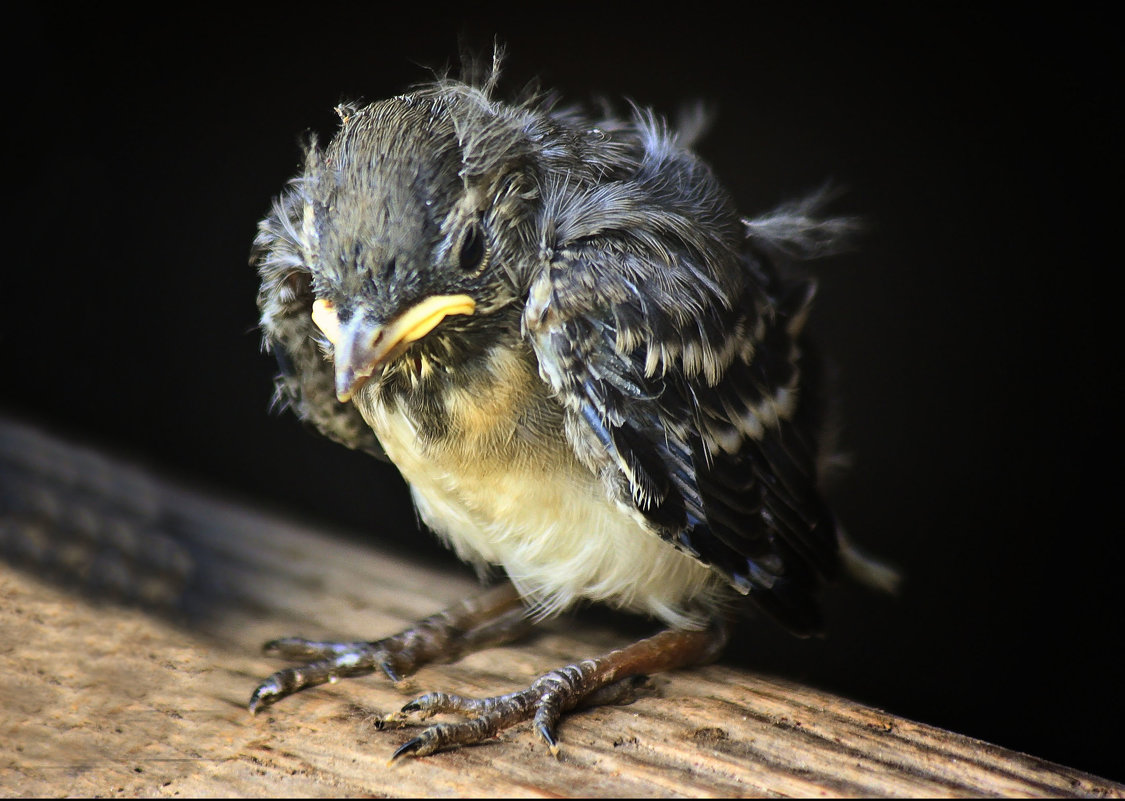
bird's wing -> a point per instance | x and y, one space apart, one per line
306 381
680 385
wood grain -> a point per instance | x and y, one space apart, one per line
132 613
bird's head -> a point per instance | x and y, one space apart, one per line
408 229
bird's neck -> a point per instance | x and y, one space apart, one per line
444 371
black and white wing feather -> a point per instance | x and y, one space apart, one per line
676 352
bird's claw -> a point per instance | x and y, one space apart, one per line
544 702
407 748
332 661
265 694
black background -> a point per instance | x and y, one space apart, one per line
973 332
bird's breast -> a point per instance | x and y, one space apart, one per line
496 478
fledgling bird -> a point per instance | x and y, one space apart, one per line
582 360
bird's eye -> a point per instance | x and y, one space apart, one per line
472 249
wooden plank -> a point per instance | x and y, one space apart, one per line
145 694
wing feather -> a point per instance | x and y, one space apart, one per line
676 350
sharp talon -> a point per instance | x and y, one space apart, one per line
257 705
392 674
549 738
262 697
409 747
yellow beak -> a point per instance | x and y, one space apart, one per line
362 348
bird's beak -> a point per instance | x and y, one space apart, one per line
362 347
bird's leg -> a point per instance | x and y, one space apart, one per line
496 617
607 679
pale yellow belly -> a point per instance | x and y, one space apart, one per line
544 518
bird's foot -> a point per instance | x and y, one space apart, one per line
610 679
330 661
545 701
496 617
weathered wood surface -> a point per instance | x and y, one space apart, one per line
146 694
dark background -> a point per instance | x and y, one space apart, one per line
972 333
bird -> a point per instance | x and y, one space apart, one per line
588 366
